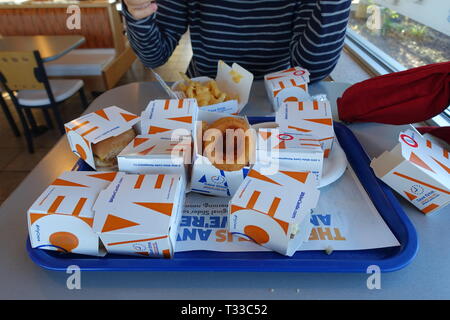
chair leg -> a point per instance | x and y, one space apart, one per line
26 130
84 102
48 119
9 117
58 118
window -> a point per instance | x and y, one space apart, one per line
401 34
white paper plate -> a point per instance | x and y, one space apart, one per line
333 167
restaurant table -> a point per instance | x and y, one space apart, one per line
426 277
49 47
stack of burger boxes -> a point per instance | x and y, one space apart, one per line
287 85
289 151
61 218
312 121
206 178
418 169
274 210
98 137
235 81
139 214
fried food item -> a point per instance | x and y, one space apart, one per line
106 151
229 143
207 93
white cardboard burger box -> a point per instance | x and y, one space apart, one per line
274 210
287 85
167 115
61 218
157 154
418 169
97 126
310 119
207 179
288 151
139 214
235 81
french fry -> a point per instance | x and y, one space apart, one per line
207 93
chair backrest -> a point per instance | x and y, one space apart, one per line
19 70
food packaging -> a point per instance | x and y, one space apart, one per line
418 169
61 218
139 214
157 154
288 151
169 115
205 177
235 81
274 210
312 120
287 85
87 130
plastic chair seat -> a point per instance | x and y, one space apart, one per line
61 88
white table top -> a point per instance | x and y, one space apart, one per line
425 278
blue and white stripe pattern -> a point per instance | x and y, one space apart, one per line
262 36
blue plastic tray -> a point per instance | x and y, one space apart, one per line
388 259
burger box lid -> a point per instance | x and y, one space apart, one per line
235 81
288 151
418 169
157 154
206 178
97 126
166 115
310 119
139 214
62 216
287 85
274 209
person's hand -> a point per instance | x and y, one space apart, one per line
141 9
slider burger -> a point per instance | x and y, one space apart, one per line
106 151
229 143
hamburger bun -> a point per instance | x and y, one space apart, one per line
106 151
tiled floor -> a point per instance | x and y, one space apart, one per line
16 162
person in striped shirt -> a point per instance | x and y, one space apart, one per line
263 36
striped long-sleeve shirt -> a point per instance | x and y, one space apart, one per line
262 36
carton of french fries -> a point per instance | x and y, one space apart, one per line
287 85
228 93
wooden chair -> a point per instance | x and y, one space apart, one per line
9 116
24 78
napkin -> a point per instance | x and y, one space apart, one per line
409 96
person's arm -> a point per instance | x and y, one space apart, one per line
319 35
154 39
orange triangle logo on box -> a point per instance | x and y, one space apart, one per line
164 208
154 129
281 145
147 151
187 119
416 160
299 129
128 117
66 183
139 141
325 121
442 165
255 174
115 223
102 114
410 196
299 176
108 176
265 134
